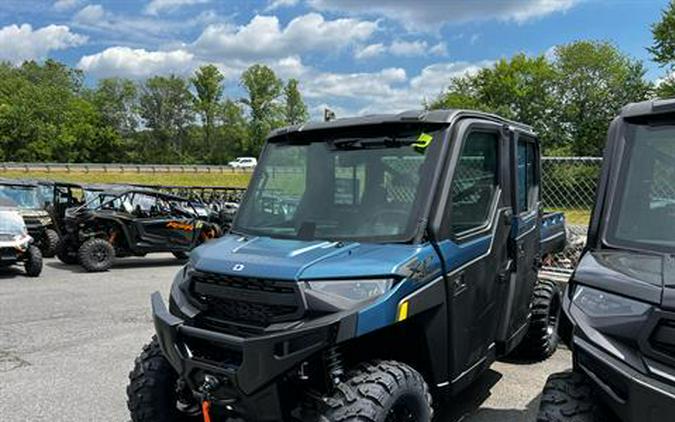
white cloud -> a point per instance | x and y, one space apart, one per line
408 48
156 7
137 63
276 4
137 29
63 5
429 15
90 14
440 49
400 48
263 37
355 85
19 43
369 51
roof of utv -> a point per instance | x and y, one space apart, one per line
21 183
410 116
650 107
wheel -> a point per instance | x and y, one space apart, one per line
380 391
152 395
541 339
33 263
66 256
50 243
96 255
568 397
183 256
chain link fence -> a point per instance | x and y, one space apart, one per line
568 185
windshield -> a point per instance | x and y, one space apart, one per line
11 223
353 188
26 197
643 212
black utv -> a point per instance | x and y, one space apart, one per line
131 222
31 205
16 245
374 262
619 307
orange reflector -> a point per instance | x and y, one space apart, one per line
402 311
206 410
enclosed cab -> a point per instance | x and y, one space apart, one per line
30 204
619 307
373 261
16 245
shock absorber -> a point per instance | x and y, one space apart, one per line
334 364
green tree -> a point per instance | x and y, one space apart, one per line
43 116
296 110
263 89
166 107
208 83
233 133
117 101
594 81
520 88
663 49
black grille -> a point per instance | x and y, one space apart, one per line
247 300
663 337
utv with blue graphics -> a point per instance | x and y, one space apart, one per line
374 263
619 306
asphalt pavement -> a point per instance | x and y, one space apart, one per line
68 340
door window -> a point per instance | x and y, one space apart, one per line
527 176
475 182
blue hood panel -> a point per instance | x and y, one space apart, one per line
281 259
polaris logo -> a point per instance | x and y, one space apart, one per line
238 267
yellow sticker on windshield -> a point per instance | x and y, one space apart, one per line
423 142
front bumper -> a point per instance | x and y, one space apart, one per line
633 396
247 368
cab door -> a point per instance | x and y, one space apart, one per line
524 238
477 225
157 227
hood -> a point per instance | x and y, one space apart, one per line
27 213
282 259
650 278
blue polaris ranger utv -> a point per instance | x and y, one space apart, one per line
373 262
619 306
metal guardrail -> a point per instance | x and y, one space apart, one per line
118 168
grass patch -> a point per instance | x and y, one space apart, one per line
239 180
574 216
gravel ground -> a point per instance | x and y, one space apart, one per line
68 340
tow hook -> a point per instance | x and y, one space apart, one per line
210 384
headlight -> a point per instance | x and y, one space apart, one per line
23 241
352 290
184 275
45 221
599 304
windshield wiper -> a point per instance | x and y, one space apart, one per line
358 143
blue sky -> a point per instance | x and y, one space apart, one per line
355 56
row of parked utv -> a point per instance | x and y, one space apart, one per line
91 225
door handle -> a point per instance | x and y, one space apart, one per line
459 284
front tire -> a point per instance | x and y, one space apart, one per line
568 397
33 263
151 394
50 243
542 339
96 255
66 256
380 391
